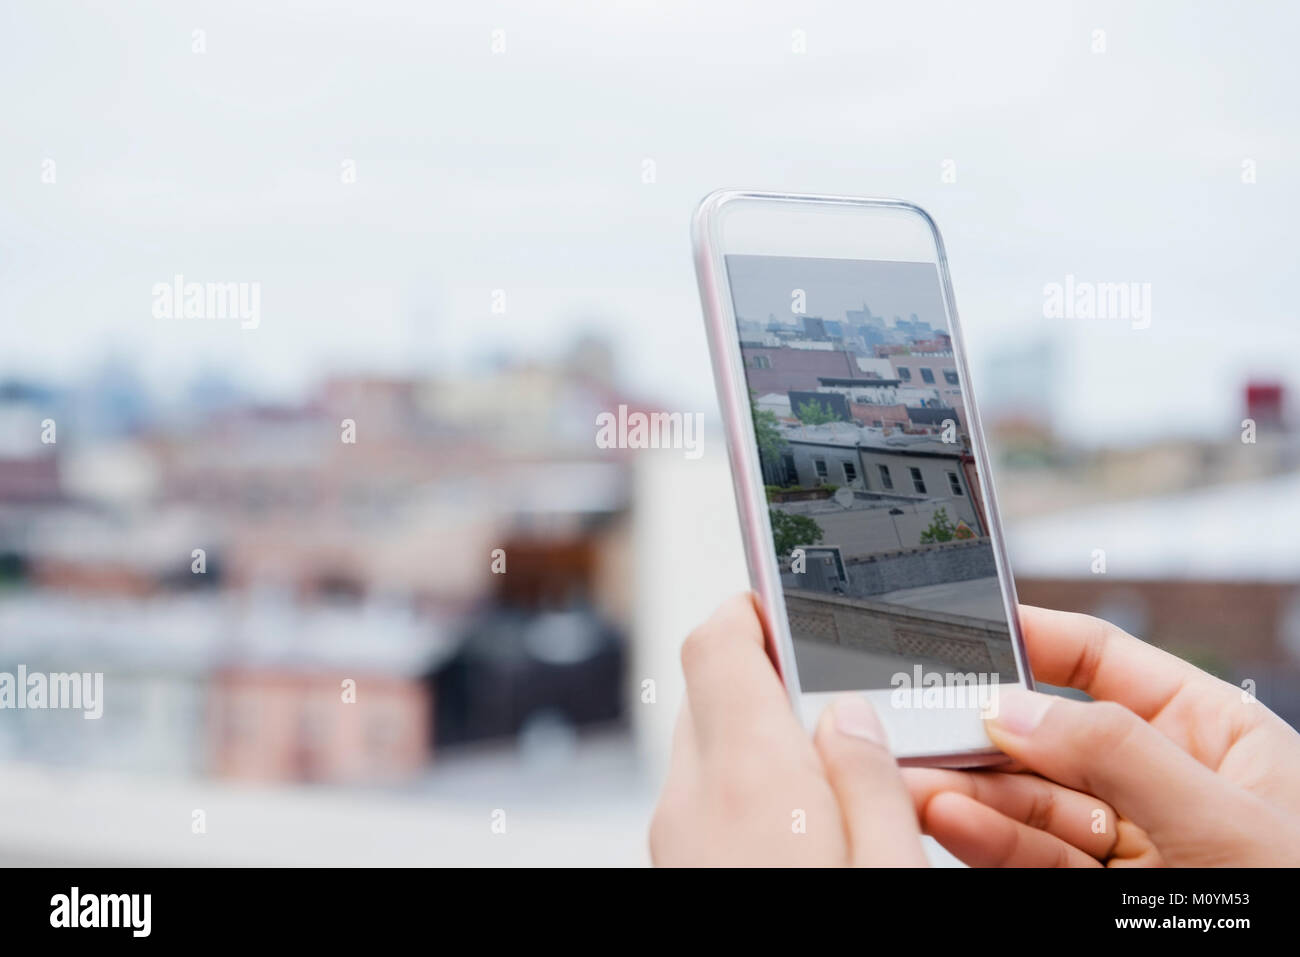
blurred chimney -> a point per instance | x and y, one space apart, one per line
1264 404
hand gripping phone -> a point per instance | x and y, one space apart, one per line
869 519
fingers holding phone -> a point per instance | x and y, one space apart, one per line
1174 767
747 786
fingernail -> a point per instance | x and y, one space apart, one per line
855 717
1020 711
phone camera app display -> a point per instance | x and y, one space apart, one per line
876 505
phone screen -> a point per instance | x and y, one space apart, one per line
876 507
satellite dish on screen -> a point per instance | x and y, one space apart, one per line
844 497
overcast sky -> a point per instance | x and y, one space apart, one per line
523 171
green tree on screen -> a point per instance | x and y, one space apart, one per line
791 531
813 412
941 528
768 430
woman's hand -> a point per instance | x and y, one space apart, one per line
1167 766
748 786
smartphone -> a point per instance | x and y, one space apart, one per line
868 514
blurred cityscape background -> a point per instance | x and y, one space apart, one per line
508 258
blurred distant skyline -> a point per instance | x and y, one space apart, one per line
522 171
763 286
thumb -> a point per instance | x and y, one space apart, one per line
1104 749
876 805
